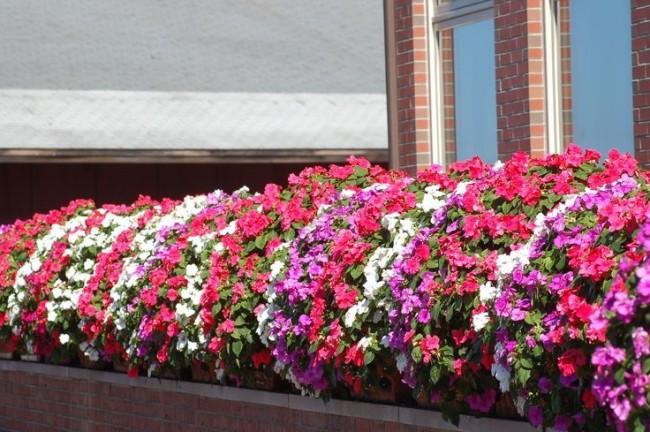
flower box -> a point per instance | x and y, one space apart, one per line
86 363
6 351
386 386
202 372
120 365
263 381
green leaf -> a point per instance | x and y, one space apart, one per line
525 363
434 374
416 354
260 242
368 357
619 376
356 271
237 347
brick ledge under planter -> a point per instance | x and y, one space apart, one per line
393 415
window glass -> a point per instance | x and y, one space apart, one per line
475 91
601 67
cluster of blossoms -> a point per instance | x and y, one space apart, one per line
526 282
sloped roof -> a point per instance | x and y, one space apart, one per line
199 75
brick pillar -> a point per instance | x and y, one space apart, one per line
409 110
449 95
641 79
520 76
565 72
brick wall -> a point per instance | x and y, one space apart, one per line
32 402
412 92
40 397
449 95
519 54
641 78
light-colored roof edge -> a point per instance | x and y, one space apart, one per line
297 155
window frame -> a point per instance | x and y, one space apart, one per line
553 108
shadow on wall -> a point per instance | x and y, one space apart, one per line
29 188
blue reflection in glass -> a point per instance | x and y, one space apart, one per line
601 64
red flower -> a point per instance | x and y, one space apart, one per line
354 355
593 263
344 295
261 358
571 361
461 336
253 223
588 399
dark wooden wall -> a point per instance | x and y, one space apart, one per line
29 188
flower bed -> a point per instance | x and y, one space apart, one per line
515 289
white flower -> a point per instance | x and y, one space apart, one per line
57 292
322 209
348 193
357 309
520 404
242 190
365 342
276 268
191 270
461 188
192 346
88 264
502 375
64 338
401 362
389 221
181 341
430 201
230 229
408 227
487 292
480 320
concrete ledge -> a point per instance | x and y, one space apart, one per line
379 412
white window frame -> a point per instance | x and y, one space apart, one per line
554 130
442 17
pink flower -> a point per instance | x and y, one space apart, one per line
429 346
228 326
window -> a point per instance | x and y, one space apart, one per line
463 90
601 69
475 91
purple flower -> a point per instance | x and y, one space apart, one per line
641 342
531 342
560 282
619 403
607 356
536 415
568 381
482 402
562 423
424 316
638 382
303 325
621 304
545 385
